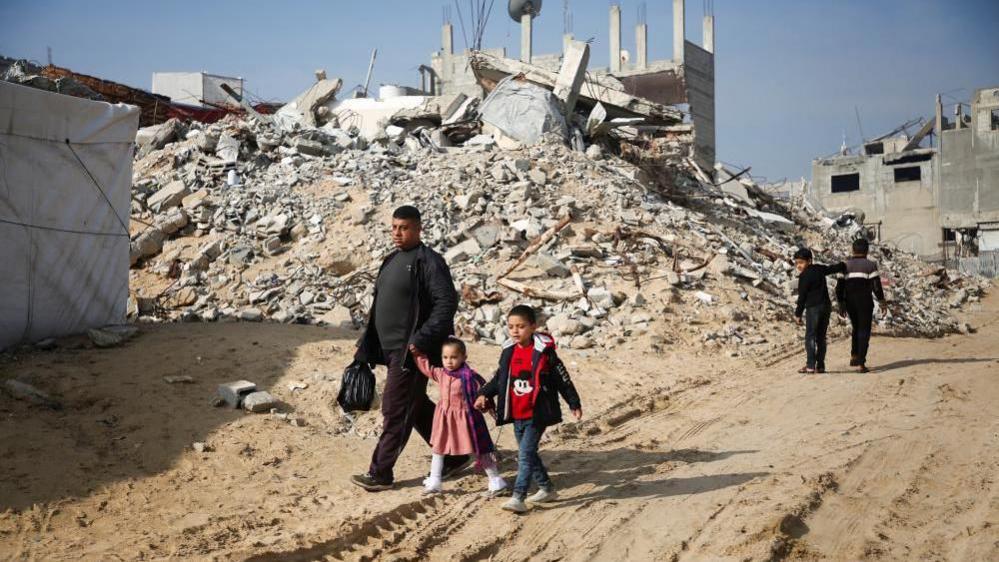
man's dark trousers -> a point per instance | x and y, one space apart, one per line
861 317
405 406
816 326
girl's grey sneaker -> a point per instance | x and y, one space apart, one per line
543 495
515 505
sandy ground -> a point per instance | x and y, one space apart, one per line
681 456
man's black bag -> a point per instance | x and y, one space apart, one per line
357 390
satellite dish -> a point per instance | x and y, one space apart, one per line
521 7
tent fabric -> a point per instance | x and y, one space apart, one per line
63 235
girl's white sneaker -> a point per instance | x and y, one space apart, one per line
431 486
543 495
497 488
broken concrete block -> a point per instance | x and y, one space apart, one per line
111 336
232 393
463 251
488 234
148 244
571 75
704 297
24 391
170 195
227 148
251 315
601 297
310 147
339 317
538 177
550 265
174 220
259 401
594 152
195 200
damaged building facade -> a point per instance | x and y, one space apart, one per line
938 198
686 81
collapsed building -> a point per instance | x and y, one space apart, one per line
935 194
556 185
685 82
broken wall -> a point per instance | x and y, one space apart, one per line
906 209
65 236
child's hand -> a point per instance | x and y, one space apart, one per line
480 403
415 351
578 413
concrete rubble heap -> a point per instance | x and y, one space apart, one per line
611 236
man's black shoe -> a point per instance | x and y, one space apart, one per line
459 465
854 361
370 483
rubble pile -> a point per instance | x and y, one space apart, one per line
290 227
587 202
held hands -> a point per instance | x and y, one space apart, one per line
578 413
797 320
480 403
416 351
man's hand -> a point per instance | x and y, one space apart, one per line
797 320
415 350
578 413
480 403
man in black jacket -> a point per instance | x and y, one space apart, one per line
814 303
414 304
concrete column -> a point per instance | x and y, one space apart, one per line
679 30
939 126
572 74
709 34
615 38
566 42
525 37
447 39
641 46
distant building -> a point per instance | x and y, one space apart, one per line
688 79
197 89
938 201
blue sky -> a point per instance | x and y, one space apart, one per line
789 72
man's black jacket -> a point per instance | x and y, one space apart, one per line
812 289
432 306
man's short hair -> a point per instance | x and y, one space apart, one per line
525 312
407 212
861 246
803 254
456 342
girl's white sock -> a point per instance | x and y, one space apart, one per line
436 469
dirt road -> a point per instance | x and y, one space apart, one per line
681 457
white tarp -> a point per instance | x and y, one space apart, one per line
63 248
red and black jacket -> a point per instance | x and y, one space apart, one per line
552 380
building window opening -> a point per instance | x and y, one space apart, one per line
995 119
843 183
908 173
874 148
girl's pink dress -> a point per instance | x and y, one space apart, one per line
451 434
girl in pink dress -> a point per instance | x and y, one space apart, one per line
459 429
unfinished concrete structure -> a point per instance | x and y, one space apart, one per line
938 200
198 89
686 81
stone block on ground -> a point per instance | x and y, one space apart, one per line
259 401
232 393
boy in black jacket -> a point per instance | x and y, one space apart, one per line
526 388
813 301
858 286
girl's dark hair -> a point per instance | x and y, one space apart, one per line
453 341
525 312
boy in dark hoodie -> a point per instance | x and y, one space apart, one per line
814 303
526 388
